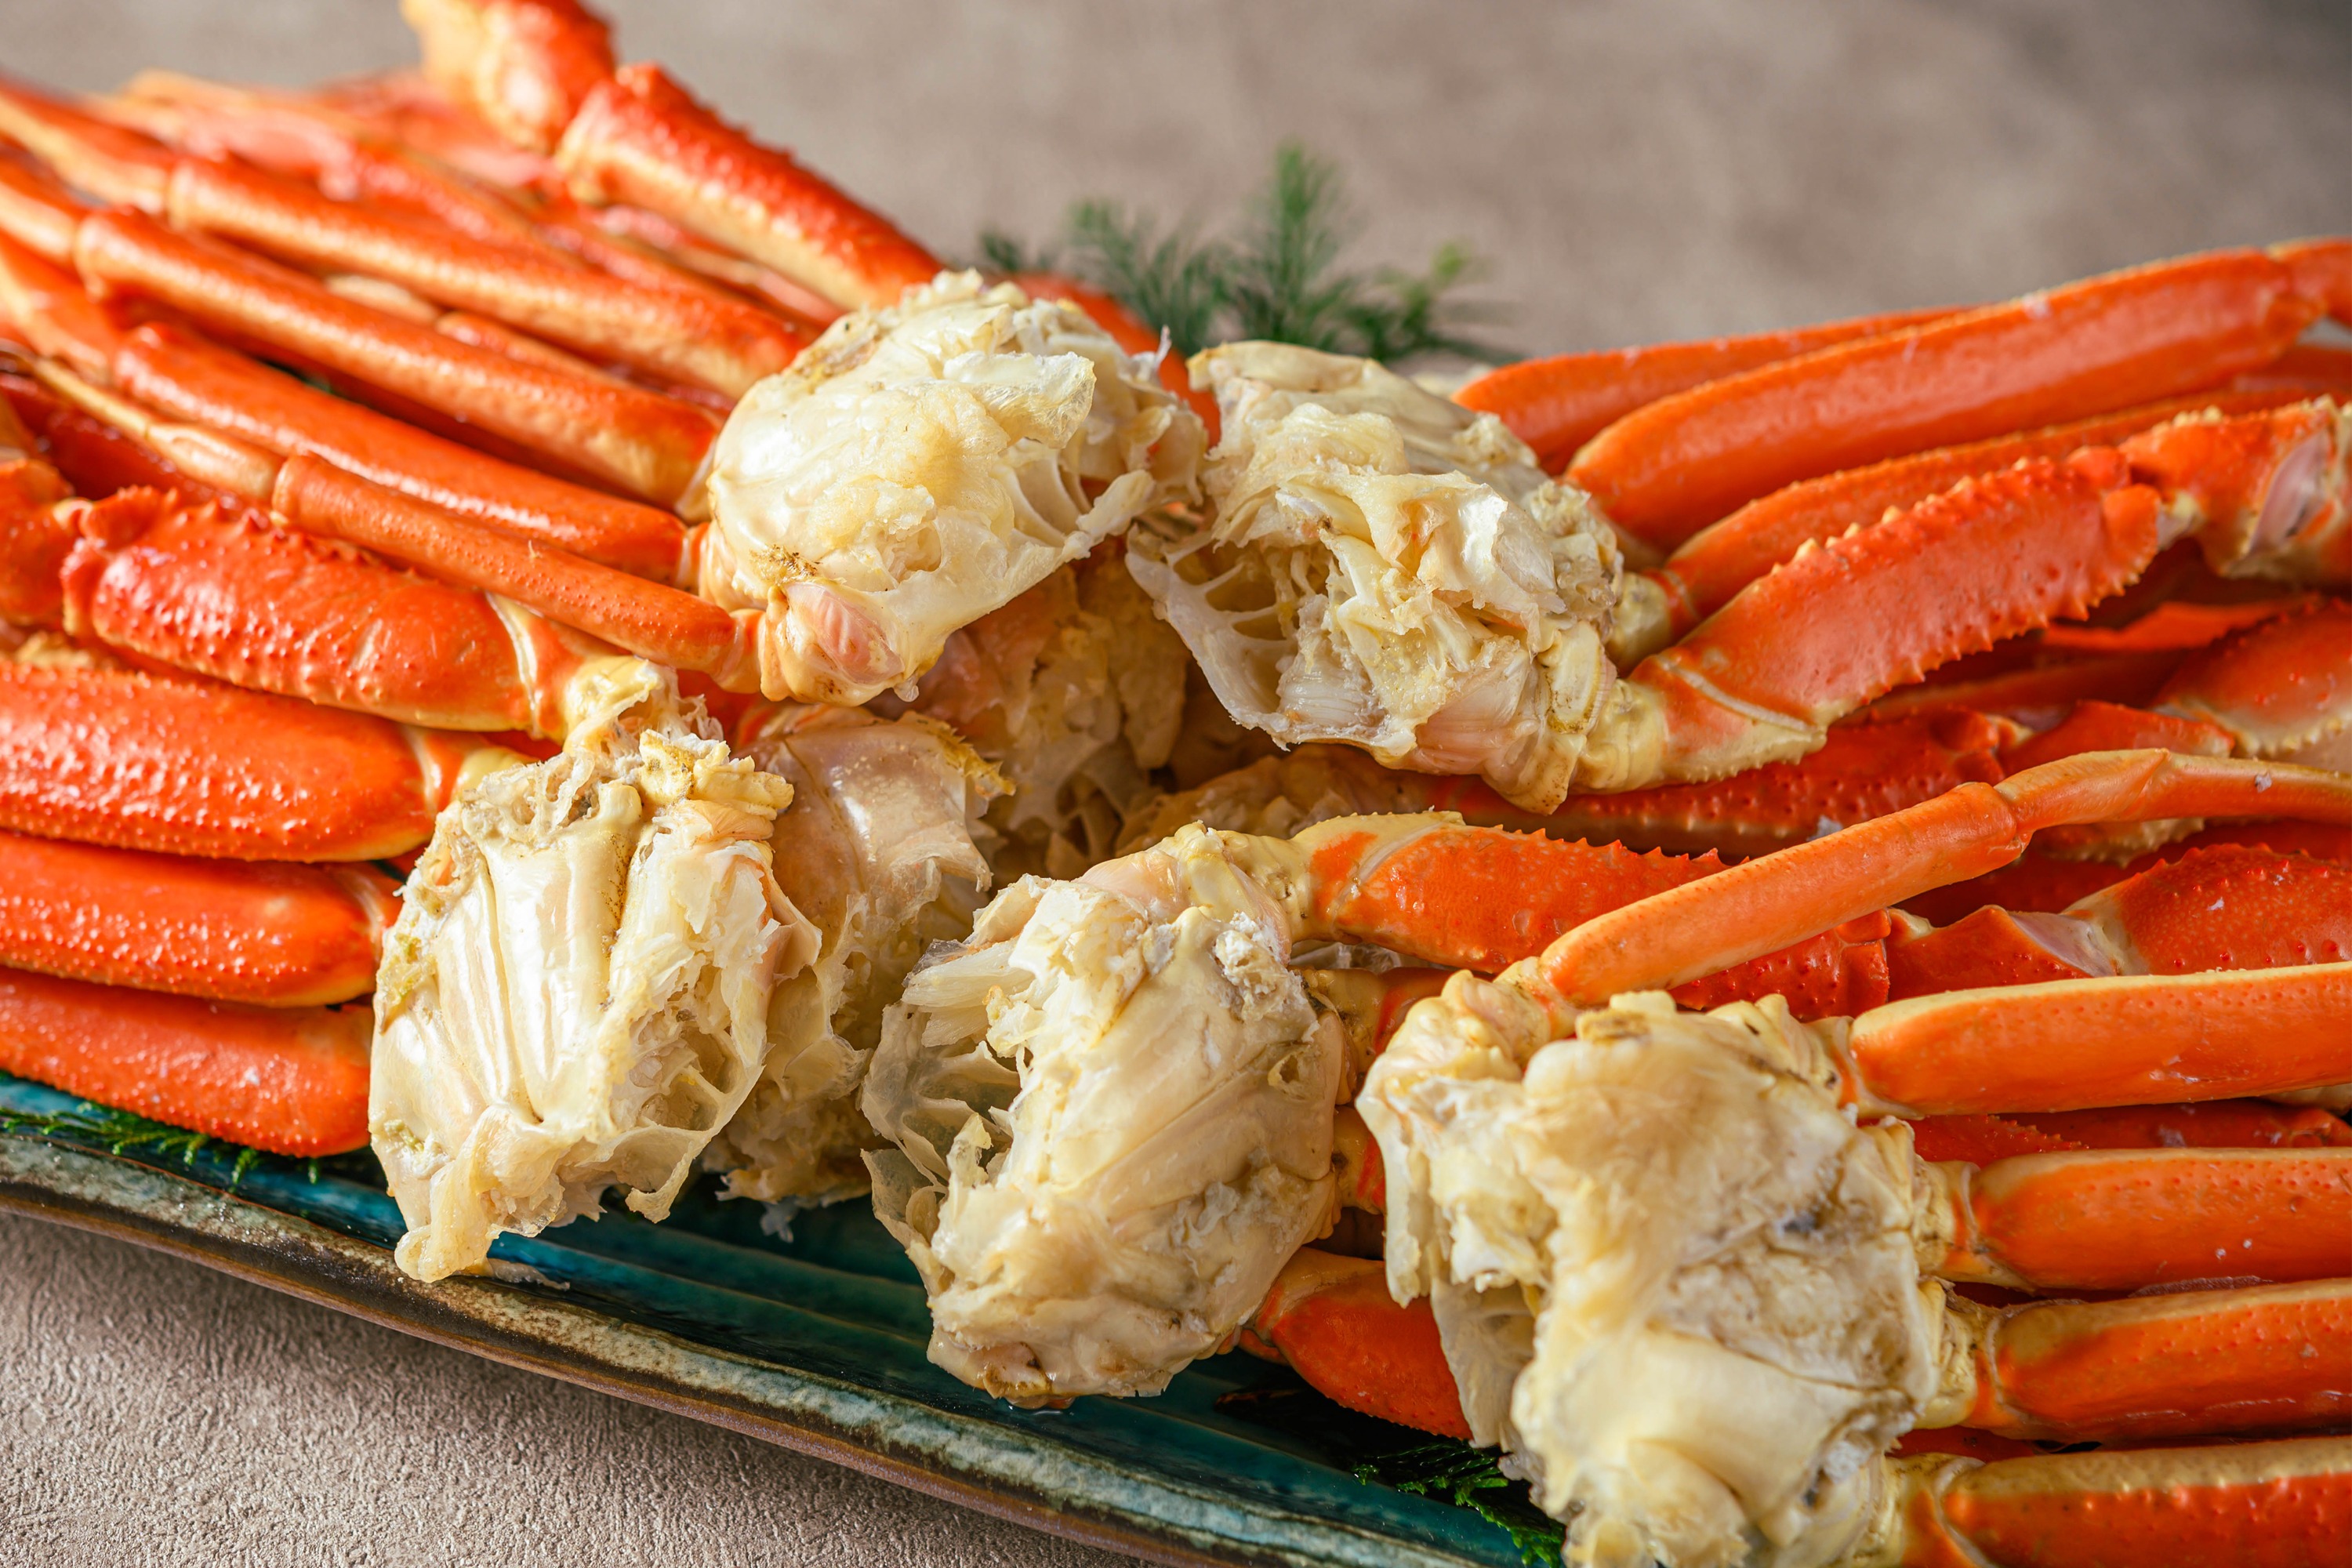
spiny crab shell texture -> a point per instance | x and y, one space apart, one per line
1674 1280
1386 568
1111 1111
576 995
919 466
878 851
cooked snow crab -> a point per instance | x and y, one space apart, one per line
1385 569
921 465
579 406
599 978
1114 1114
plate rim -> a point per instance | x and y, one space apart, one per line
128 1199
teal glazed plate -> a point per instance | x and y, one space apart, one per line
811 1336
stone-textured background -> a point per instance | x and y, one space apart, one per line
1632 168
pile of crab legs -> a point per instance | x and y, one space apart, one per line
268 631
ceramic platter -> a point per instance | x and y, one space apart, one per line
809 1335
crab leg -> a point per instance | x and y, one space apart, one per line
279 935
641 138
1753 907
187 767
1331 1320
695 336
1558 403
1481 899
663 624
2263 1357
2118 1219
1841 625
541 72
2282 688
1708 568
174 371
225 593
1673 467
293 1080
638 441
323 500
2226 907
2262 1505
2126 1039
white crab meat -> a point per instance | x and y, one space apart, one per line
1111 1111
1674 1280
1075 691
919 466
1385 568
878 850
576 995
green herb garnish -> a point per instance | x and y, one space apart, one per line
122 1132
1468 1478
1279 278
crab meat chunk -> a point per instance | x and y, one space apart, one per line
1110 1113
879 850
576 995
1382 567
1674 1280
919 466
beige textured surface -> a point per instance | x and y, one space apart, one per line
1633 168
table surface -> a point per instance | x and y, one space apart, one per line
1630 170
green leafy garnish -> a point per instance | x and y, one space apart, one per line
122 1132
1279 278
1468 1478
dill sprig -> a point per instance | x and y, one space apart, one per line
1468 1478
122 1132
1279 278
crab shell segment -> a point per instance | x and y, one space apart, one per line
1112 1116
577 994
1673 1278
921 465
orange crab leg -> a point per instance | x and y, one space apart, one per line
346 159
184 766
640 138
174 371
2254 1505
2278 687
1861 770
2267 1357
695 336
2121 1219
1671 468
278 935
225 593
1758 906
1701 576
525 66
1331 1319
640 442
2126 1039
645 618
2226 907
1558 403
1843 623
293 1080
1477 898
